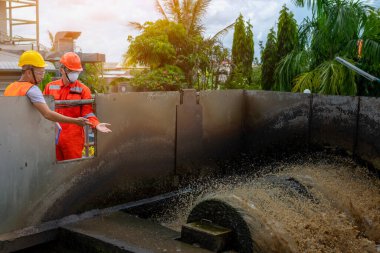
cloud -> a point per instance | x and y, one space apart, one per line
104 23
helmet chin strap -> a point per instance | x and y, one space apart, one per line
67 76
34 77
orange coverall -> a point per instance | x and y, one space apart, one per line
71 140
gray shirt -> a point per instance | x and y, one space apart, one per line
35 95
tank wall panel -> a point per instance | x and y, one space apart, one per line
368 147
334 121
222 122
276 121
135 161
27 157
189 148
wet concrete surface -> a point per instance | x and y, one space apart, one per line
121 232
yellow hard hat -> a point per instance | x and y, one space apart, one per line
33 58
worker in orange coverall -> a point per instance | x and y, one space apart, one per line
71 140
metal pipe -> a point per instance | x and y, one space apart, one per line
10 20
38 25
75 102
87 140
357 70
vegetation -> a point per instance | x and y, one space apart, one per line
166 78
242 55
47 79
269 61
159 44
177 40
287 41
92 76
336 29
295 57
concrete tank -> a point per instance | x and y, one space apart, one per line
161 140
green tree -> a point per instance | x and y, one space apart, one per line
287 33
242 55
189 13
369 58
165 78
92 76
256 78
238 43
189 52
287 41
160 43
334 30
211 65
269 61
249 53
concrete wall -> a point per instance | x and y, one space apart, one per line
276 122
281 122
27 158
160 139
147 150
223 116
368 133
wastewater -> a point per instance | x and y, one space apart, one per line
322 203
317 202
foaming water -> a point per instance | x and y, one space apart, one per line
339 213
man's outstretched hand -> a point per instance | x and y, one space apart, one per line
103 127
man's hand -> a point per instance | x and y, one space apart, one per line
103 127
82 121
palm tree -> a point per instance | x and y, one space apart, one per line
187 12
334 30
317 6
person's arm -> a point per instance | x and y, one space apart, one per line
56 117
87 112
37 99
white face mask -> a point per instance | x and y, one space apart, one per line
73 76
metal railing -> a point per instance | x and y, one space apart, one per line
71 103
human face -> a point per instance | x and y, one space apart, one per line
36 74
69 76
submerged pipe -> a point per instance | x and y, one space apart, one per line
252 231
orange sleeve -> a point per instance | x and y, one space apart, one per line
87 111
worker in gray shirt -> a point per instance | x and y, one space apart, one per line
33 71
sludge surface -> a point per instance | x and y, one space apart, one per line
340 212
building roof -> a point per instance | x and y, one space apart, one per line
9 62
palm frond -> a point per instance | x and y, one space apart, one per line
317 6
290 67
335 78
198 11
305 81
174 8
160 9
136 25
223 32
371 51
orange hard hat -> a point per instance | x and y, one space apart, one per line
71 61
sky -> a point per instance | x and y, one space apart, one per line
104 24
